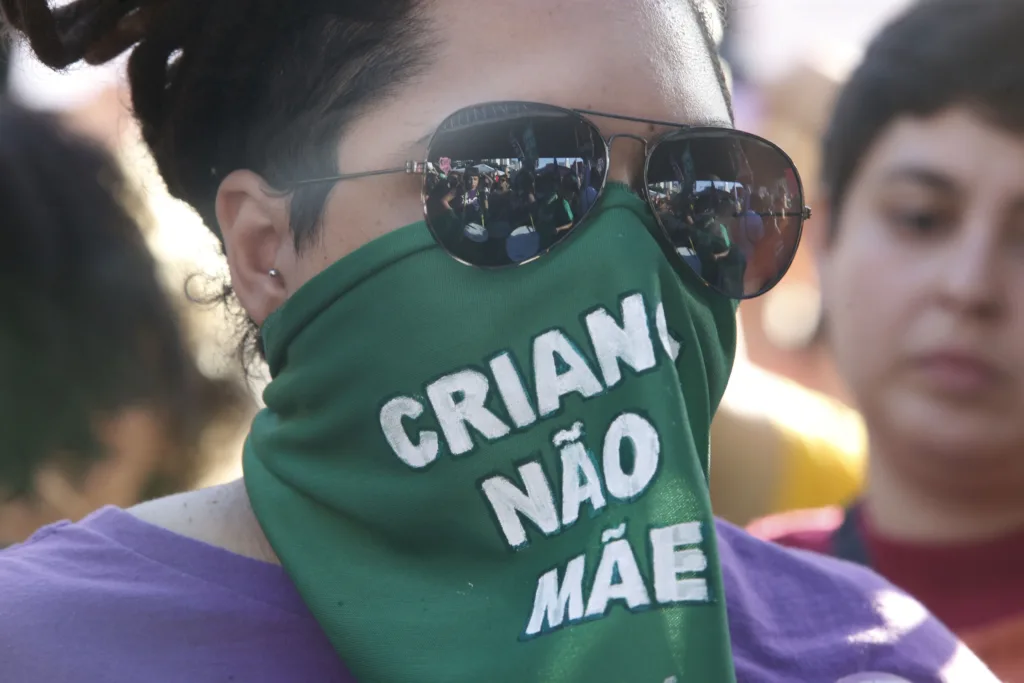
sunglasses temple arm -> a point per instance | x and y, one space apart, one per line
411 168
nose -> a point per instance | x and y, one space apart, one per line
971 282
626 162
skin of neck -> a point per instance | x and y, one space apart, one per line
903 506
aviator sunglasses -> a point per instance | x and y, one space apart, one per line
506 182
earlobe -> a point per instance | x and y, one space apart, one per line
254 224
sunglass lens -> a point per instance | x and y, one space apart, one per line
731 205
506 182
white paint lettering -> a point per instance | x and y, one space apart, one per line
574 433
668 343
556 603
631 343
581 483
646 449
671 557
537 503
551 384
512 391
617 578
416 455
458 400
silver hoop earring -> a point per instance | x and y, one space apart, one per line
274 272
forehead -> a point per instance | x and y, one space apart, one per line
642 57
957 143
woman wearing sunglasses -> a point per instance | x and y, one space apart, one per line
475 463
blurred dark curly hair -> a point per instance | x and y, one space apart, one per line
86 328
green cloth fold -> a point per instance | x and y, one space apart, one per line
480 475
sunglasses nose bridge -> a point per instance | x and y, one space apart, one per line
627 167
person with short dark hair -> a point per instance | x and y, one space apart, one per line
923 281
471 202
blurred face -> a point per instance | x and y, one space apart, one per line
568 54
924 287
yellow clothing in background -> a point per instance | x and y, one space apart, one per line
777 446
823 456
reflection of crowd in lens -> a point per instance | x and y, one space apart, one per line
493 213
732 233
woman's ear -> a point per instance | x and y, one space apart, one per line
257 238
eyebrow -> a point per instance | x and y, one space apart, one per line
920 174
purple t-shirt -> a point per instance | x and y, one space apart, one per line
115 599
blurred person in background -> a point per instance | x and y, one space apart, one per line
923 281
388 528
101 402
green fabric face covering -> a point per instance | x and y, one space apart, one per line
501 475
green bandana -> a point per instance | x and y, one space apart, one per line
480 475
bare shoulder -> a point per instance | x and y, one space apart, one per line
219 515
